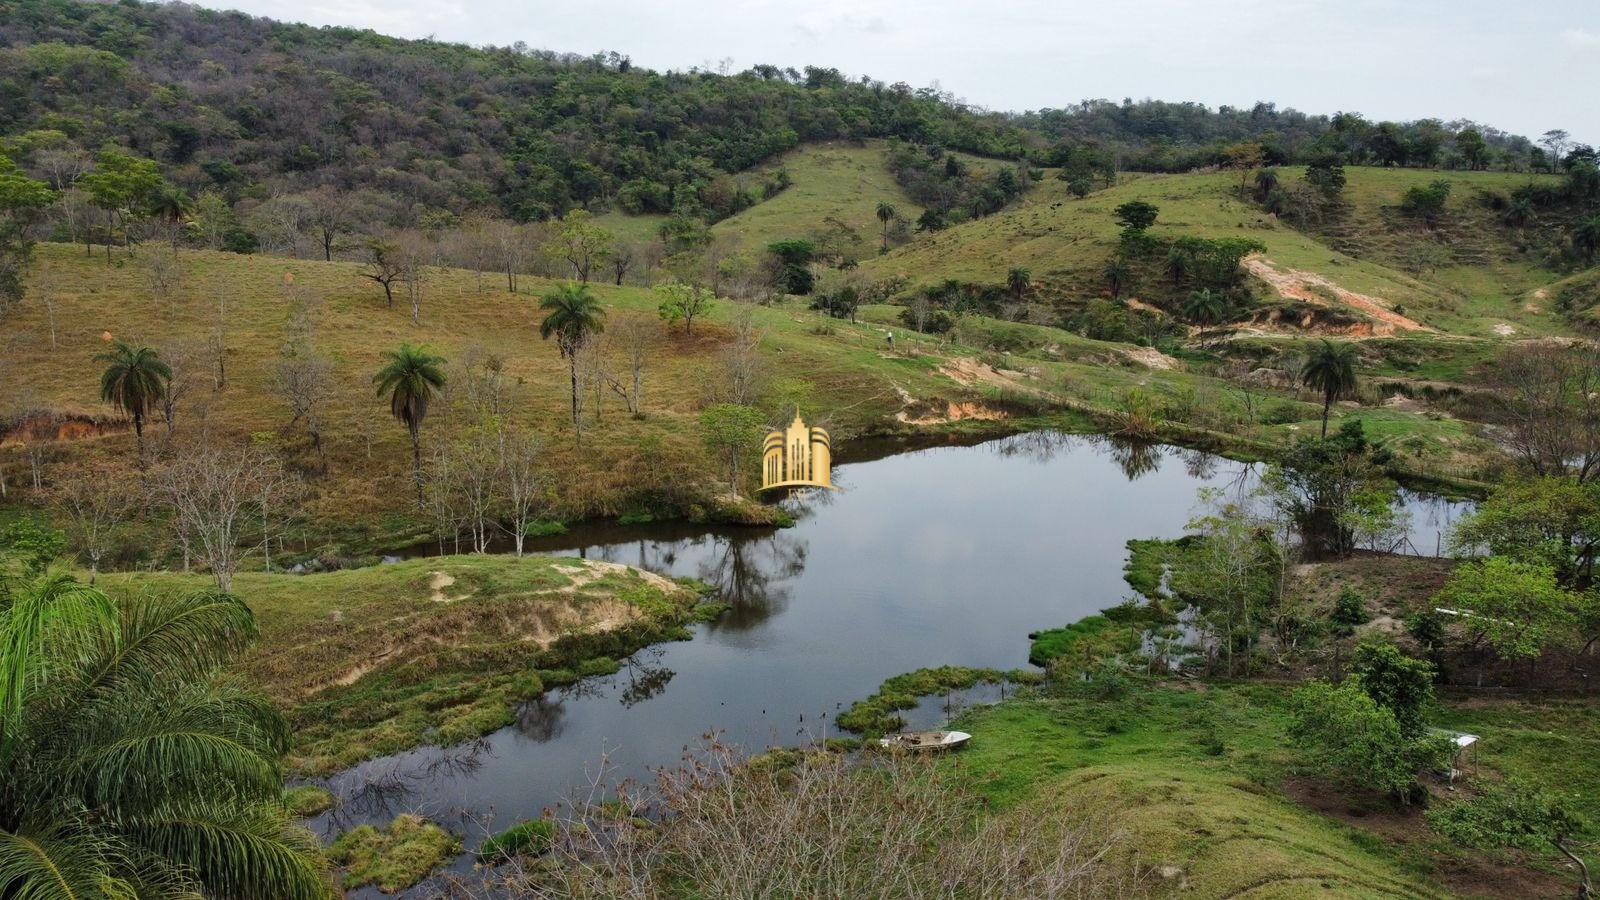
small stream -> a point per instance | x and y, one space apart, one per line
949 555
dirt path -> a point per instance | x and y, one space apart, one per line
1297 285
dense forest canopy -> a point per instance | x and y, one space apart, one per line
250 109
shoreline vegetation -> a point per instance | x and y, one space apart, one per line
372 661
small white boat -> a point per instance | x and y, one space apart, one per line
925 741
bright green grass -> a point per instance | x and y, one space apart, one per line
394 858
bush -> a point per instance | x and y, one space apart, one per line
396 857
1348 736
1349 611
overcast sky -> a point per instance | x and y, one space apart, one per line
1524 67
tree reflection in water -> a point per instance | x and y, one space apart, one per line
540 718
376 792
646 676
749 574
1135 458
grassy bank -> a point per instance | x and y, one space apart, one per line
1214 805
375 660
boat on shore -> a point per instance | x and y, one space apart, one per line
925 741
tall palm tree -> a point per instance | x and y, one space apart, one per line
1331 369
572 316
1018 280
1205 309
885 216
1586 238
411 376
1117 276
170 204
1179 262
134 381
131 763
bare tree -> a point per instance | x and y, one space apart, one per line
164 275
1549 398
632 336
44 287
622 259
92 501
185 357
741 359
511 249
304 380
475 481
415 254
330 212
218 497
482 380
521 457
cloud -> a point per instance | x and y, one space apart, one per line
1578 37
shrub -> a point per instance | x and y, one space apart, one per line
396 857
1349 737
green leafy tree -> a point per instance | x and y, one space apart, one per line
134 381
1519 814
580 243
733 431
1357 741
1331 370
132 764
684 303
795 258
122 185
171 205
886 215
572 316
1396 682
1426 203
1317 481
1136 215
1473 148
1080 186
1326 174
1517 607
1018 281
22 200
411 376
1551 521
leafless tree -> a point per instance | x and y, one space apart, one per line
304 380
44 287
1549 399
482 381
474 479
920 309
330 212
622 259
632 336
186 358
163 274
92 501
219 498
415 254
741 359
525 484
511 248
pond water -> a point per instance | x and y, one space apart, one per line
949 555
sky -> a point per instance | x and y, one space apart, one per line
1524 67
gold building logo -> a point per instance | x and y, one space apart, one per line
797 456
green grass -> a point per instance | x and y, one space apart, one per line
373 660
529 838
394 858
308 800
1197 775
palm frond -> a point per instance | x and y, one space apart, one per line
52 866
252 853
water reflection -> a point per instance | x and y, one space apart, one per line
1136 459
646 676
751 576
539 719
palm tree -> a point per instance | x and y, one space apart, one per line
170 204
131 763
1117 275
410 377
1331 369
1586 238
1205 309
573 316
1266 183
134 381
1178 264
1018 281
885 215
